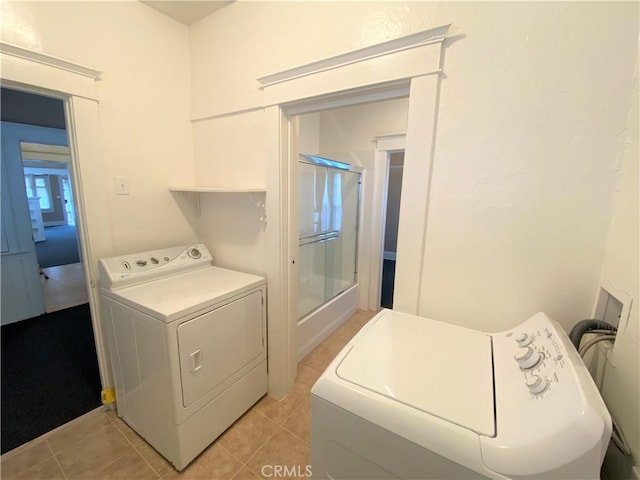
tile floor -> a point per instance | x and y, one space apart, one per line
99 445
66 287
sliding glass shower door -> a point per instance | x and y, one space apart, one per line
328 231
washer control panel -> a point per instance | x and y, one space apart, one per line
547 405
538 350
126 270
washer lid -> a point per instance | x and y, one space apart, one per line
176 296
438 368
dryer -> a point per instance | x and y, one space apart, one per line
187 343
414 398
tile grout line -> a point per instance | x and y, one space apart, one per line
291 416
64 474
104 466
32 465
147 461
44 437
258 449
76 443
108 464
307 442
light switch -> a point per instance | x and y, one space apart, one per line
122 185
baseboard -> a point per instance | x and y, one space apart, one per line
389 255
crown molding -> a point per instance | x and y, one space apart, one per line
48 60
426 37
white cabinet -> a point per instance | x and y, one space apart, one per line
35 214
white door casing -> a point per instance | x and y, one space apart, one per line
385 144
37 72
410 64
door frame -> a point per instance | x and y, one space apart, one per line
385 145
42 74
408 66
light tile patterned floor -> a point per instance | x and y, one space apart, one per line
100 446
66 287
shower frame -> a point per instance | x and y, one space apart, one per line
315 325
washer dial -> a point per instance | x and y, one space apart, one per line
524 339
537 384
527 358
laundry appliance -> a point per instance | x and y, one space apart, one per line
413 398
187 343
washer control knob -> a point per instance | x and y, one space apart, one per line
537 384
524 339
194 253
527 358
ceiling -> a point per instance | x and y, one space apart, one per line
187 12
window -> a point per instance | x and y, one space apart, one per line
38 186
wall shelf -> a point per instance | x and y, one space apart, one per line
194 189
191 194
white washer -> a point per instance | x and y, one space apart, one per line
414 398
187 342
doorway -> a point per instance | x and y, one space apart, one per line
36 138
46 171
49 372
342 137
392 216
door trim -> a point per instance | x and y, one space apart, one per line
19 63
385 144
318 88
39 73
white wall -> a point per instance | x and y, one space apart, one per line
351 129
230 225
524 167
621 384
145 132
523 171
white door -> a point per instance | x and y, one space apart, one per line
22 295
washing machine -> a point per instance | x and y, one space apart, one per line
187 343
414 398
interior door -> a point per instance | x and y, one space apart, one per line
22 295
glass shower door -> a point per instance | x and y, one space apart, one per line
328 234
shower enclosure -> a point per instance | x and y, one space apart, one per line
329 197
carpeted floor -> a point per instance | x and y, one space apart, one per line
49 374
60 247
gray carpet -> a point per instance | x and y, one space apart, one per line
60 247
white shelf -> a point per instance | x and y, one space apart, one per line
192 194
195 189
